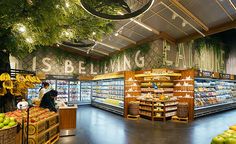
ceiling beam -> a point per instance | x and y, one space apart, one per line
101 52
125 38
146 40
214 30
232 4
189 14
225 11
109 46
162 3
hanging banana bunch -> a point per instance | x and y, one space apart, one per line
5 77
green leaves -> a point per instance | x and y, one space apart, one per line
23 26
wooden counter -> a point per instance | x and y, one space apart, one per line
67 120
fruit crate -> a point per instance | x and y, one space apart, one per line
39 139
8 136
41 126
46 137
53 120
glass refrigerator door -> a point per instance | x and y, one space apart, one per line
34 92
86 89
52 84
74 91
63 90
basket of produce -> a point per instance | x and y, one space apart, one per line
8 129
182 110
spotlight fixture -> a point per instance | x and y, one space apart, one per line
67 4
184 24
57 45
174 16
116 34
94 33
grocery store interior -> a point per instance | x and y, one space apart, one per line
118 72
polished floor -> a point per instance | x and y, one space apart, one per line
95 126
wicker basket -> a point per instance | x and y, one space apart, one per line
8 136
182 110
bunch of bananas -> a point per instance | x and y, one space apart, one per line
7 84
5 77
32 79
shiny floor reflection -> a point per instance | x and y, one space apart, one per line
95 126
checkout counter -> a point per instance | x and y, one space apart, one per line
68 116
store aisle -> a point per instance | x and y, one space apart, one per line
96 126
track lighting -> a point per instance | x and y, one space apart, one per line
184 24
116 34
174 16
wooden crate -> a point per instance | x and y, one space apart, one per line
54 131
179 120
53 140
53 120
39 139
44 137
42 126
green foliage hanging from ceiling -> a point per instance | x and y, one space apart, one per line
25 25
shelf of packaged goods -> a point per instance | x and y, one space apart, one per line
146 104
210 109
164 101
110 89
114 85
132 86
145 109
159 86
184 80
157 91
165 105
108 107
156 81
132 91
165 111
108 94
108 98
145 115
109 104
153 74
163 116
212 79
184 86
204 86
183 91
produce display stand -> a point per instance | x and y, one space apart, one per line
43 132
155 109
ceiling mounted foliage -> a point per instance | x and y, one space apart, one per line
26 25
80 43
116 9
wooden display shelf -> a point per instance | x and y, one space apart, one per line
145 104
145 115
145 109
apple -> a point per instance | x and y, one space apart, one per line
12 119
230 140
6 127
12 123
1 119
218 140
1 125
6 122
2 115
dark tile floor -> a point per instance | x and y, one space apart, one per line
95 126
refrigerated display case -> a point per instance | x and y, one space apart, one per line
62 86
74 91
213 95
108 94
85 92
52 84
34 92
